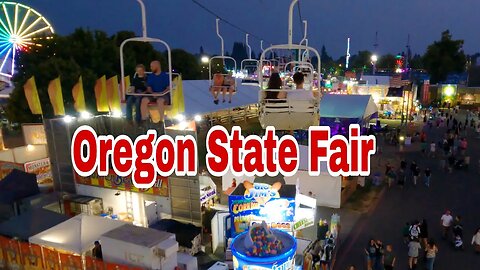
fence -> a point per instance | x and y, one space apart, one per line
17 255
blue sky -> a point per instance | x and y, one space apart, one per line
184 25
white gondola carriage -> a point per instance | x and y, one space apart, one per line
168 93
221 80
286 113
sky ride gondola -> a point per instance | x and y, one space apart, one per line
221 80
249 67
145 38
287 113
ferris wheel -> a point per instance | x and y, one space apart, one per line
20 29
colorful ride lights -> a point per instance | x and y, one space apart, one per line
252 155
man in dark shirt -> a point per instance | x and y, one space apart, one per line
157 83
138 85
97 251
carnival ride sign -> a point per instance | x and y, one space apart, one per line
261 202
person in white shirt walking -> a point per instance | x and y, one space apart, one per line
446 221
476 241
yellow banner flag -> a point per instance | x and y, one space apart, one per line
126 84
56 96
79 96
113 95
101 94
178 101
31 93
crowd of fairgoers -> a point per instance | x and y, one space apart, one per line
452 154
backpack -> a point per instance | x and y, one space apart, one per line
414 231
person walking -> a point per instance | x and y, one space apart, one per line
430 254
389 258
379 256
424 232
413 252
416 174
433 147
428 174
370 251
446 221
476 241
414 231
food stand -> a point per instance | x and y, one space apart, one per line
32 159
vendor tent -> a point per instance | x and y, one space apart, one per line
77 234
18 185
326 189
359 107
30 223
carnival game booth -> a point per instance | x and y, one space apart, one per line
141 247
30 158
340 111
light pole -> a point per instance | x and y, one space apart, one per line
374 59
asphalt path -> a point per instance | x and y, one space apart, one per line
458 191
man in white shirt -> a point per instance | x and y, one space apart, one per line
446 221
300 93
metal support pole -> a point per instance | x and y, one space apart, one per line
300 58
290 21
261 45
248 46
221 38
144 18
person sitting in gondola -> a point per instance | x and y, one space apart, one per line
158 82
275 83
224 84
137 86
228 87
217 86
300 93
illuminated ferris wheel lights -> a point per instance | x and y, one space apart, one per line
20 27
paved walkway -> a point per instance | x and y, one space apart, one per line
458 191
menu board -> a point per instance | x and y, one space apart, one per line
42 169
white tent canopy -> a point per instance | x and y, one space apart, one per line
77 234
347 106
199 100
326 189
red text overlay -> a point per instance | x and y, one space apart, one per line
144 158
253 155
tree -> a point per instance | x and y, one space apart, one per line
444 57
361 61
326 60
186 64
416 62
386 62
239 52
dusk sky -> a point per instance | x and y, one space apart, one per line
183 24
